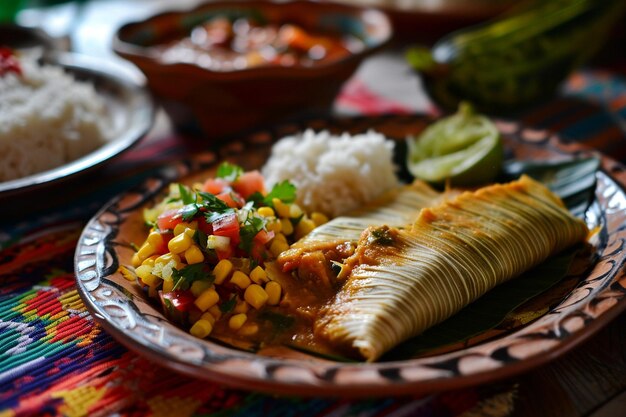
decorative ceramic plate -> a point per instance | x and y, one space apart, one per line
572 311
129 105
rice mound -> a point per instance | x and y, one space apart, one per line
47 119
333 174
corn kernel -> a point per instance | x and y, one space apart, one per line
258 275
249 329
167 258
281 237
256 296
240 279
295 211
190 232
215 312
237 321
180 228
151 280
143 271
179 243
150 261
145 251
304 227
280 208
208 317
286 226
319 218
222 271
135 260
277 247
273 290
266 212
155 239
194 255
202 328
241 307
200 286
274 226
207 299
168 285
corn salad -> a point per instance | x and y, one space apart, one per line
207 253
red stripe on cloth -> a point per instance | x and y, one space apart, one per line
356 95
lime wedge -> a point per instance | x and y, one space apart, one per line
464 148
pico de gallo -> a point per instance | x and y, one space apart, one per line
209 252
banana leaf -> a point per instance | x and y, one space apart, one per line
573 180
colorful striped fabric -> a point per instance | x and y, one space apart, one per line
54 360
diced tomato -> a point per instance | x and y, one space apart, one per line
232 199
215 185
204 226
181 300
263 237
249 183
227 225
225 254
258 253
169 219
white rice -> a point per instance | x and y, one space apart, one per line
333 174
47 119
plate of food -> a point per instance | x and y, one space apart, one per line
63 114
307 260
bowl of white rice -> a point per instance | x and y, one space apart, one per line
333 174
64 114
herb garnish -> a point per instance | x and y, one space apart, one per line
184 277
229 172
228 306
285 191
249 230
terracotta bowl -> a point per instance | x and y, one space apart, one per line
218 104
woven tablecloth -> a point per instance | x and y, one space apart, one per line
54 360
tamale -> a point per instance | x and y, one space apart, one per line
401 281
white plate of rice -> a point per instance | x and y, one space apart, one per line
66 114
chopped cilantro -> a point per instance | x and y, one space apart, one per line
229 172
257 199
186 195
200 238
189 211
382 236
212 217
249 230
183 278
284 191
212 203
228 306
